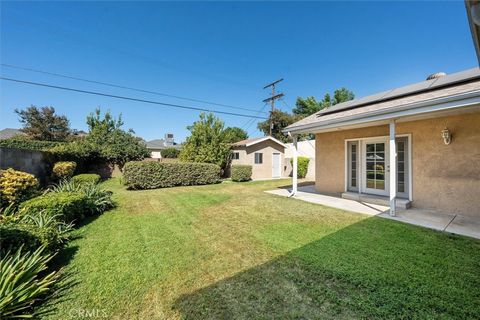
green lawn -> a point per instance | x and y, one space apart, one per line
232 251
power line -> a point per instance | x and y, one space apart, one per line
249 122
128 98
123 87
274 96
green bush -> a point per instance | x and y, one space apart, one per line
86 178
64 169
14 236
16 186
97 199
241 172
302 167
23 281
170 153
24 142
67 206
151 175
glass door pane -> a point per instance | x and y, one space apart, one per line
375 166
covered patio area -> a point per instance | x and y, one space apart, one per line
452 223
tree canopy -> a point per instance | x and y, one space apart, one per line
234 134
280 120
44 124
307 106
207 142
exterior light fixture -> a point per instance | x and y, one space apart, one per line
447 136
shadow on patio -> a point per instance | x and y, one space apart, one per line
372 269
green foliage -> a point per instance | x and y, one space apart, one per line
16 186
23 281
25 142
14 236
64 169
151 175
43 123
170 153
280 121
67 206
86 178
206 143
241 172
234 134
302 166
97 199
307 106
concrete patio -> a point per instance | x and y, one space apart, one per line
452 223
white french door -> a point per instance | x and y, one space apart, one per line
375 166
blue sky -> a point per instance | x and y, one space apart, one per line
223 52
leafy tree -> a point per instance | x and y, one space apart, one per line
44 124
207 142
234 134
308 106
280 120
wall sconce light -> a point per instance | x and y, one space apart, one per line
447 136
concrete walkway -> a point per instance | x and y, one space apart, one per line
466 226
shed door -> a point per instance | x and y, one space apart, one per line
276 165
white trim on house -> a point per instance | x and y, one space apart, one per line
412 109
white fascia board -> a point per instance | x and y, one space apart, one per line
417 108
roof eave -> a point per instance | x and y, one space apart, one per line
439 104
475 29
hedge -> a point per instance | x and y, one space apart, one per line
69 206
152 175
241 172
22 142
302 167
86 178
170 153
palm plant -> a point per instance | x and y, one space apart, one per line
44 222
23 282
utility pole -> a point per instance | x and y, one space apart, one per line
274 96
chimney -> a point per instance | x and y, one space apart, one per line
169 140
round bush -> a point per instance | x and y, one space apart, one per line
151 175
302 167
16 186
64 169
86 178
241 173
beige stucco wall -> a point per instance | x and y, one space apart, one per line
264 170
445 177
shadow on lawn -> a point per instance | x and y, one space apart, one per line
372 269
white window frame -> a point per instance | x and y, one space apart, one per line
360 150
255 158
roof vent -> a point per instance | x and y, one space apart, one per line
436 75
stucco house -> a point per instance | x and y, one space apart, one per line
266 155
417 145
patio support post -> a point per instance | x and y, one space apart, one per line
294 166
393 168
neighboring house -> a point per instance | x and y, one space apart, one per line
305 149
156 146
266 155
416 145
8 133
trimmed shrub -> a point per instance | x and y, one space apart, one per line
241 173
151 175
86 178
24 142
170 153
302 167
64 169
24 280
15 236
67 206
16 186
